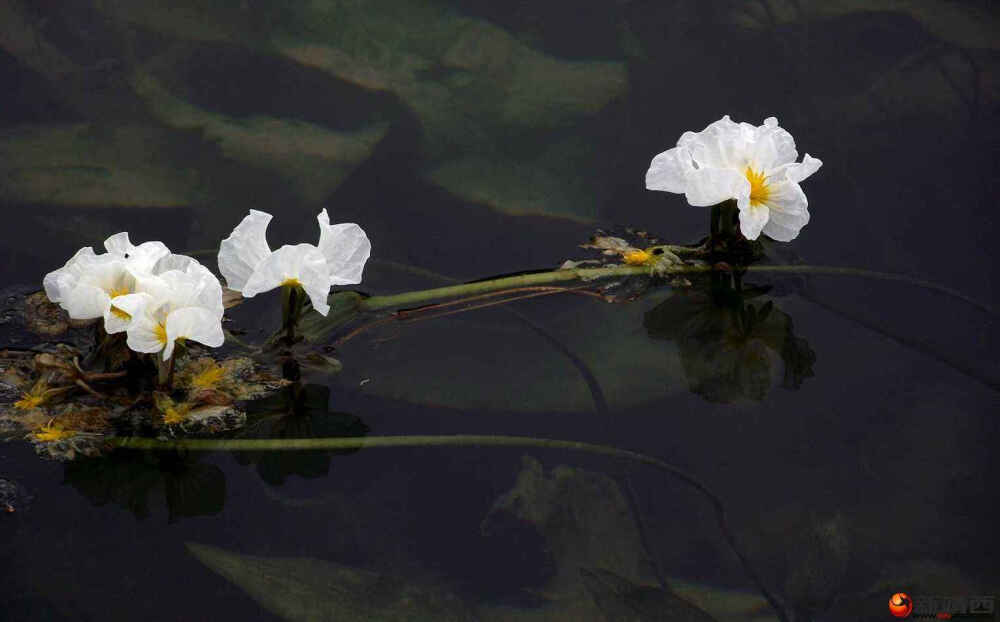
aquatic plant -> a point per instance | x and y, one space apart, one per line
755 166
250 267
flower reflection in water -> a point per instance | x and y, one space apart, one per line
732 347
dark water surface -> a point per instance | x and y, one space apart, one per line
472 139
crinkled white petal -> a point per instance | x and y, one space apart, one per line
301 262
668 171
114 323
134 304
710 186
753 218
59 282
771 147
789 211
172 262
723 144
194 323
143 335
109 273
195 286
797 172
139 258
86 302
118 243
244 249
346 248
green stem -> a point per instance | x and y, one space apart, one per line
410 299
291 309
164 370
461 440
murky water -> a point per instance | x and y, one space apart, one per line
849 430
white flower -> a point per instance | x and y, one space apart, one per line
251 268
172 306
88 285
754 165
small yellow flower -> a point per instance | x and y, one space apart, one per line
636 257
33 398
208 377
173 416
51 432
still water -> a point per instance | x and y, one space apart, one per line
851 439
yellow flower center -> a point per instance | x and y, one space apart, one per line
636 257
119 313
759 190
161 334
290 282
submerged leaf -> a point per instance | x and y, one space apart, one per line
302 588
313 158
622 601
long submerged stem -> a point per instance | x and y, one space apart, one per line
410 299
463 440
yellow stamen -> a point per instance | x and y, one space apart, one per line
119 313
29 401
33 398
208 378
759 190
637 257
173 416
291 283
51 432
119 291
161 334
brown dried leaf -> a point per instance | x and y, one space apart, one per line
43 317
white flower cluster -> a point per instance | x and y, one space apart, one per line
159 298
156 297
753 165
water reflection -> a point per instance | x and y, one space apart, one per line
128 479
731 345
299 411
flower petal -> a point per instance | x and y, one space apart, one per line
346 248
86 302
668 171
789 211
302 262
771 147
753 218
796 172
172 262
133 304
143 335
709 186
723 144
59 282
139 258
244 249
194 323
118 243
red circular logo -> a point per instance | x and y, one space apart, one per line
900 605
